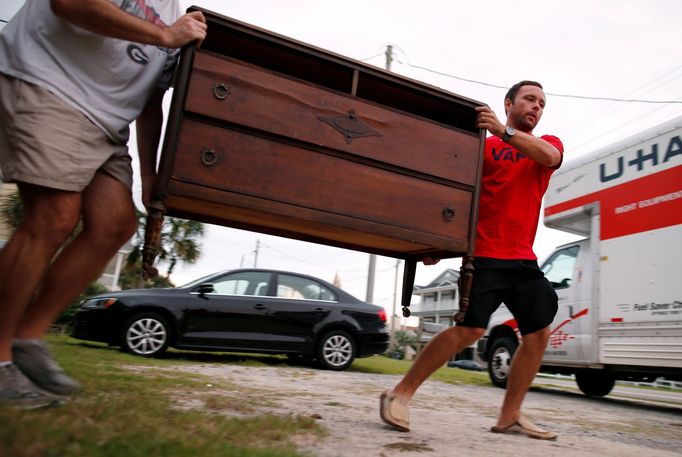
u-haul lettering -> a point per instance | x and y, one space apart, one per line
614 167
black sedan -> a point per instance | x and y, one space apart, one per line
248 310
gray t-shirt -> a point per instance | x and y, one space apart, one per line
108 79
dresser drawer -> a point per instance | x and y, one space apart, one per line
251 97
259 168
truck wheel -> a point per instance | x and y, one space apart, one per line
146 334
596 383
336 351
499 362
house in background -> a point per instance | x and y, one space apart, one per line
5 231
438 302
112 272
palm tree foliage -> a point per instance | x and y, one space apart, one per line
180 242
11 210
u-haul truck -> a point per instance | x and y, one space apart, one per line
620 288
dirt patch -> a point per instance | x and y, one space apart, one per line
445 419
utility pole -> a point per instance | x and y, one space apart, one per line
395 295
369 298
389 56
255 252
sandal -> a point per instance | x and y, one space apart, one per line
394 412
525 427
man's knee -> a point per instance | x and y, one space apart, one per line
469 334
537 339
49 215
108 211
114 229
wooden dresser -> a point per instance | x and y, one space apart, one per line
272 135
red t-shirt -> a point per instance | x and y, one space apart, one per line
510 200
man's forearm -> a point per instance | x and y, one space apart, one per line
105 18
148 129
536 149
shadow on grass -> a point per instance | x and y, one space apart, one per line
176 355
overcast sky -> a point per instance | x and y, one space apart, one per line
626 49
594 48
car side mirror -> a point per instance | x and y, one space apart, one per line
204 289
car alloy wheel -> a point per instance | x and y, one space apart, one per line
146 335
336 350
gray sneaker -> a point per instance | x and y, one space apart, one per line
16 391
33 358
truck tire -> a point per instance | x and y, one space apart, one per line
501 352
595 383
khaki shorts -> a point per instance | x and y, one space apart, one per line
46 142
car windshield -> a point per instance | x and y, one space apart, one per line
201 280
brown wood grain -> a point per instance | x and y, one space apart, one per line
265 101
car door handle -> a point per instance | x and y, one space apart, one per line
260 307
320 310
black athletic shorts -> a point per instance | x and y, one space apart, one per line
520 285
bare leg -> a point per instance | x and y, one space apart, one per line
524 367
108 222
49 218
439 350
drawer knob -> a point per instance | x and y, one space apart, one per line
448 213
220 91
208 157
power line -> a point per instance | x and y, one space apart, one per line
498 86
644 89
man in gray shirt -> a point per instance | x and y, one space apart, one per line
74 74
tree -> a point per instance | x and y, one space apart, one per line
12 210
12 213
65 321
180 242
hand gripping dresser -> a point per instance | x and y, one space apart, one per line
272 135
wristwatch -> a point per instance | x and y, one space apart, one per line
509 132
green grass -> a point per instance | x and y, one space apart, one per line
385 365
123 413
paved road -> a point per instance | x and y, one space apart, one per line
662 397
446 420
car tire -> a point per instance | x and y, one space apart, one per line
336 350
146 335
499 362
595 383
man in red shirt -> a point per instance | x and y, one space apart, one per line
516 171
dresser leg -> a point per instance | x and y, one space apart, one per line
152 241
408 285
466 278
